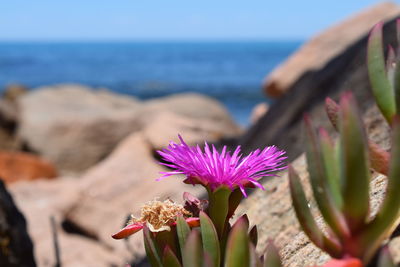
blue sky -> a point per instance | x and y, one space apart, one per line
170 19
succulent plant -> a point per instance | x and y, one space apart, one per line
384 76
199 232
202 247
340 177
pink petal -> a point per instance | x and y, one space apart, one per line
351 262
128 230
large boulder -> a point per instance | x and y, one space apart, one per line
75 127
16 249
316 53
282 124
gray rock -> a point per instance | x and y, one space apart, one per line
75 127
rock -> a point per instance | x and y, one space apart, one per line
119 186
272 211
13 92
318 52
194 131
75 127
282 124
258 112
41 200
16 249
18 166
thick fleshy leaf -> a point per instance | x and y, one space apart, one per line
170 259
306 219
332 110
207 260
182 230
152 251
242 219
391 66
237 250
234 200
380 84
255 261
385 259
378 157
210 239
218 207
128 230
253 235
272 258
193 255
355 172
387 217
396 85
331 164
322 183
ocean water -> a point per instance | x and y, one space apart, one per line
232 72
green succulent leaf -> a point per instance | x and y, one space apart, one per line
272 258
332 170
242 219
332 110
193 255
151 248
170 259
183 230
395 73
234 200
391 66
380 83
306 219
237 250
324 178
387 217
355 170
255 261
218 207
210 239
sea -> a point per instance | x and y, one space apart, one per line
231 72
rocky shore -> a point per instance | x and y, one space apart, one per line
103 147
97 151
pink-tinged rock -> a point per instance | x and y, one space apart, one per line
20 166
324 47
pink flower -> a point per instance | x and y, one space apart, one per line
213 169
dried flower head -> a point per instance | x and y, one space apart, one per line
213 169
158 216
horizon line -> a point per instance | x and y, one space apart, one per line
151 40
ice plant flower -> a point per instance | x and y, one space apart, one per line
158 216
213 169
